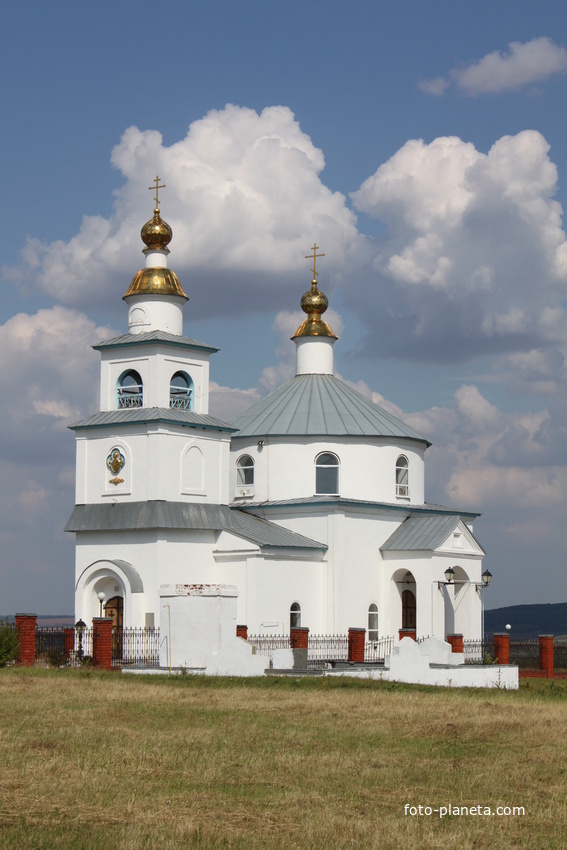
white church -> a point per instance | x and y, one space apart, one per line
311 503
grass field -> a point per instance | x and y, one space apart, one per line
91 760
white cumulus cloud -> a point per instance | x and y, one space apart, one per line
475 256
243 196
524 64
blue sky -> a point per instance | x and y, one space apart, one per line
422 145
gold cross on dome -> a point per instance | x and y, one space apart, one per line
314 255
157 187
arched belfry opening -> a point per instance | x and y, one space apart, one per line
181 391
129 390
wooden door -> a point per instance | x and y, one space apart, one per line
115 608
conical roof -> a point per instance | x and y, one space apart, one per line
320 405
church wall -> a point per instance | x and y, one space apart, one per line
285 468
354 576
173 557
157 465
267 587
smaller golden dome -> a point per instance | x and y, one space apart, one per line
156 281
156 233
314 303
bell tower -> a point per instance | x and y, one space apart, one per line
152 455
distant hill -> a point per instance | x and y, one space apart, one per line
46 619
528 621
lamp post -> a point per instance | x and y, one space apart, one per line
80 628
101 596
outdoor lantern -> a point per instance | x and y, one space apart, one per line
449 574
80 628
101 596
486 577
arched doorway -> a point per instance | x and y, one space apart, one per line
408 609
114 608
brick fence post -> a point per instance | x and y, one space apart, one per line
456 642
546 661
102 642
502 648
25 625
299 637
356 640
406 633
242 632
68 641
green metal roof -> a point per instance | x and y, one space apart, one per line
340 503
320 405
121 516
419 532
154 336
145 415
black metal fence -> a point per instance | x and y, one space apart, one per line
135 647
560 655
67 647
324 649
478 651
523 653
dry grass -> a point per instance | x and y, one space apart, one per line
92 761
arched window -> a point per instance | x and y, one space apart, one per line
373 622
327 474
244 476
295 616
408 609
129 390
181 391
402 477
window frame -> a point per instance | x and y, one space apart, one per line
373 630
402 472
244 471
320 488
295 616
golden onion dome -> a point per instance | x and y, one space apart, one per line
156 233
314 303
156 281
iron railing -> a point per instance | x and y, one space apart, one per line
135 647
525 653
560 655
376 650
131 647
478 651
324 649
265 644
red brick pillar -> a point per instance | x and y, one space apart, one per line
242 632
25 625
456 642
299 637
546 661
502 648
406 633
356 640
68 640
102 642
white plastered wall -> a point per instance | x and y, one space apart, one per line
154 464
284 468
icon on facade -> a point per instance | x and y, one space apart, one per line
115 461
